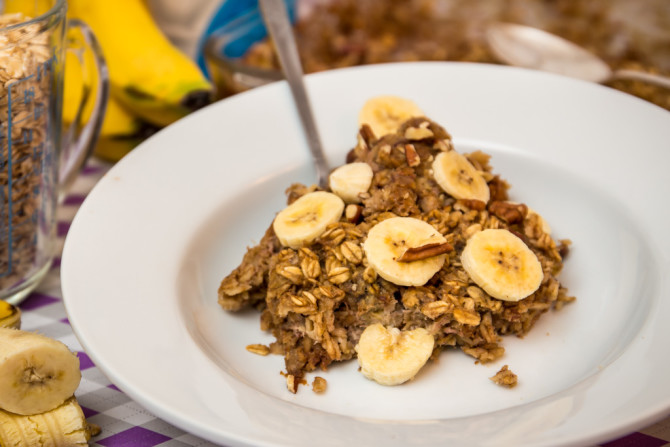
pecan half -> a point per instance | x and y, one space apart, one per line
498 188
367 135
412 155
425 251
509 212
473 204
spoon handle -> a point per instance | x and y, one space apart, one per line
634 75
278 24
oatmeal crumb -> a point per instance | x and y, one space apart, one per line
505 377
258 349
291 383
319 385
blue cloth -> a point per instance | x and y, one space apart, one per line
242 20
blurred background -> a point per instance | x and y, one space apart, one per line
226 41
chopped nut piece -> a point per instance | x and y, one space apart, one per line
508 211
353 212
443 145
418 133
367 135
471 230
425 252
505 377
258 349
473 204
319 385
291 383
412 155
369 275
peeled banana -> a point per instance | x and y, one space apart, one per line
63 426
390 356
459 178
384 114
307 218
37 373
502 264
388 240
349 181
148 74
10 315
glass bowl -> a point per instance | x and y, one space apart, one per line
225 47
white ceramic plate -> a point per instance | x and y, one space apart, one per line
147 250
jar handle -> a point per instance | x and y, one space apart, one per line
78 141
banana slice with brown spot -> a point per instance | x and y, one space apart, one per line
502 264
459 178
390 356
304 220
385 114
390 239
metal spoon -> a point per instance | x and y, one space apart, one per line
529 47
278 24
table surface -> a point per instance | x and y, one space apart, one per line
123 421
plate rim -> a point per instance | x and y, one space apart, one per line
311 79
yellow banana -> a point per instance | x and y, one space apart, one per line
37 373
29 8
121 130
10 315
148 74
64 426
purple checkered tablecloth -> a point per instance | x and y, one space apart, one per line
123 421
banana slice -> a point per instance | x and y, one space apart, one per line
502 264
64 426
391 356
350 180
389 240
305 219
384 114
456 175
10 315
544 225
37 373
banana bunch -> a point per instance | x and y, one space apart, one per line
10 315
38 378
152 83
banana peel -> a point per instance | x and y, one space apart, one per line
148 74
122 130
31 8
